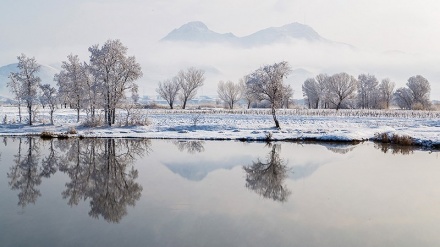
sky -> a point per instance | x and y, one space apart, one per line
52 29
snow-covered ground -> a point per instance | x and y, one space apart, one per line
345 125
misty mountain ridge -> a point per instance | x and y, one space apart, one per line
46 75
197 31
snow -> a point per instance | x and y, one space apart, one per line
325 125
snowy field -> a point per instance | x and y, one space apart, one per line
328 125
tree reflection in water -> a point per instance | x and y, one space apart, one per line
24 175
100 170
191 146
266 178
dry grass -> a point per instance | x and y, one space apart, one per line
403 140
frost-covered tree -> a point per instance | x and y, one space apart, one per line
189 81
420 89
311 92
71 83
116 73
15 88
367 91
404 98
49 98
168 90
229 92
266 83
25 83
93 97
386 91
248 96
341 89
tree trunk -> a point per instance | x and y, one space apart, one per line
77 115
184 104
277 124
30 114
19 111
51 116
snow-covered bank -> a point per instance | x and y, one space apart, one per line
252 125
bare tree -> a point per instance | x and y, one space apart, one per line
311 92
189 81
386 89
341 88
367 91
26 82
267 84
93 94
49 98
15 88
116 73
71 83
420 89
287 96
404 98
247 93
323 80
169 90
229 92
416 95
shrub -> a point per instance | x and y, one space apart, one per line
72 131
404 140
47 135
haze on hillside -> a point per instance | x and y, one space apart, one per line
229 42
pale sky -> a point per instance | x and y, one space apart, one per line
52 29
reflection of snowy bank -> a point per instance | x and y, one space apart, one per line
327 125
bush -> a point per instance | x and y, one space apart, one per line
404 140
72 131
47 135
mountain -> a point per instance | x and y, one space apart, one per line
46 74
285 33
198 32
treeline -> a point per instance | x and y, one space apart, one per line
103 82
100 83
366 92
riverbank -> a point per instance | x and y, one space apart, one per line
423 129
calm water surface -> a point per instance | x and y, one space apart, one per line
130 192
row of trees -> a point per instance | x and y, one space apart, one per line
344 91
183 86
264 84
101 83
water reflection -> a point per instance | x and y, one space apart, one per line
100 170
339 148
394 149
266 178
26 175
190 146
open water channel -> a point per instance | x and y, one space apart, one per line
137 192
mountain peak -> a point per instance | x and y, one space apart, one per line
195 25
197 31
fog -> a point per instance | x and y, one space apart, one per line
408 30
226 62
